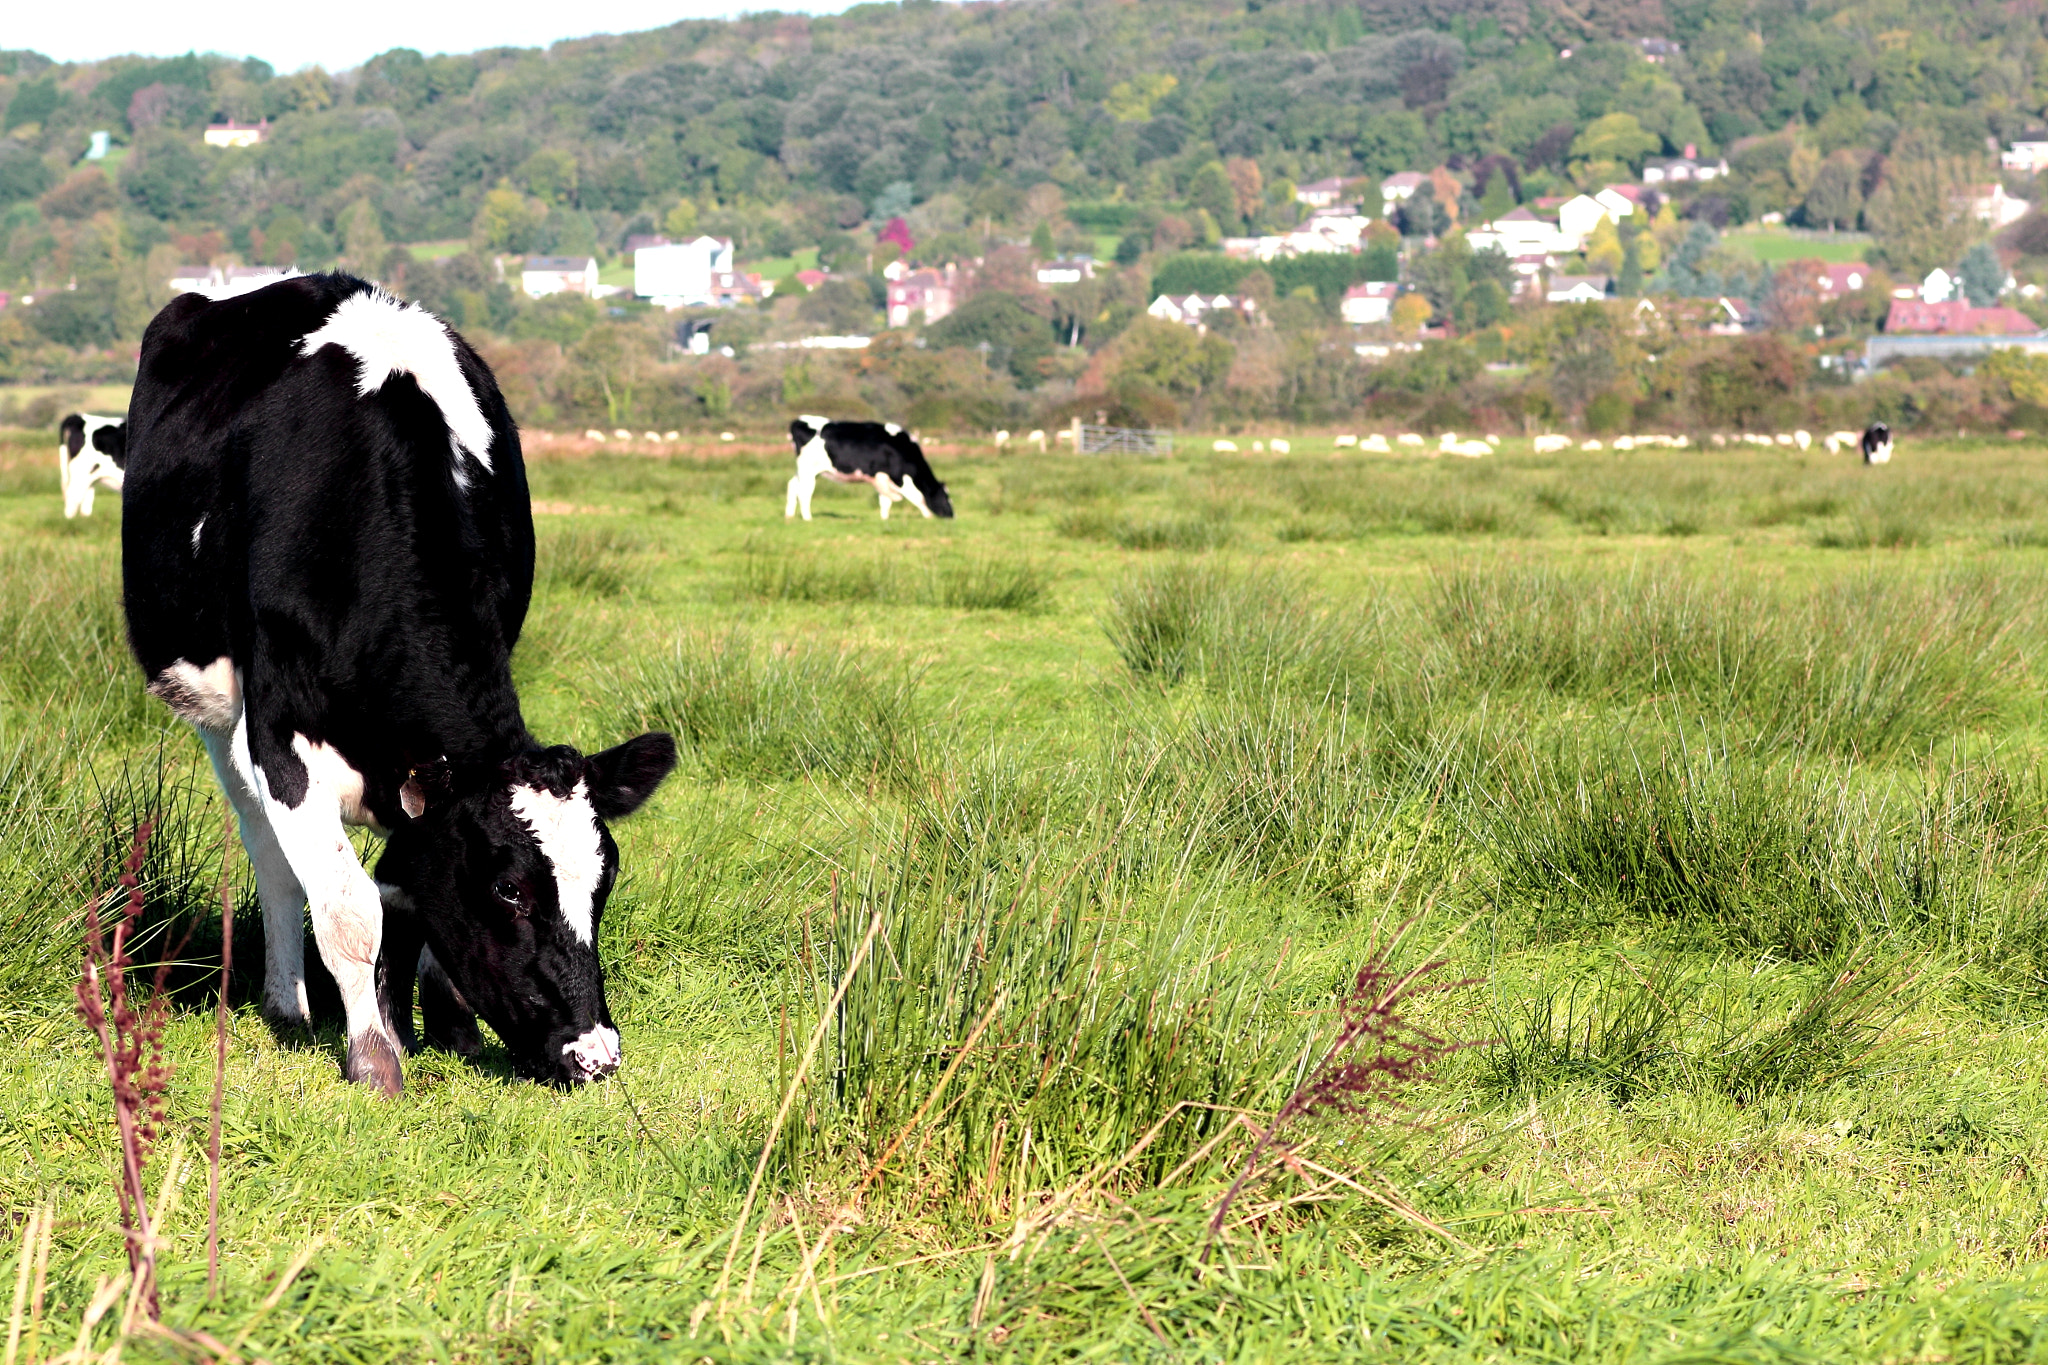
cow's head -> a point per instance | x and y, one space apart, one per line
508 870
935 498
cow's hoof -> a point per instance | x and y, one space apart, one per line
372 1061
290 1026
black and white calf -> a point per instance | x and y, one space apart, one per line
327 558
92 452
878 453
1877 444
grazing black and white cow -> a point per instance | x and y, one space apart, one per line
327 558
1877 444
92 451
878 453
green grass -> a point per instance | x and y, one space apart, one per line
1777 247
1717 775
782 267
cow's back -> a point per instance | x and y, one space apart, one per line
331 542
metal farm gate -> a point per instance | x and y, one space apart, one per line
1092 440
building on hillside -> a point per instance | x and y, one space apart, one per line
1520 232
1956 317
1687 169
1991 204
228 282
1659 50
1267 248
1578 288
811 279
1368 303
2028 153
1578 216
935 293
1400 186
637 240
1067 270
730 287
680 274
1732 317
195 279
233 134
1945 346
1190 310
1836 280
1320 194
541 276
1620 200
1938 287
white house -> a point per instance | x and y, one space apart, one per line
218 283
1577 289
233 134
1938 287
1519 232
1619 200
1673 169
1067 270
545 275
1401 185
1370 302
2029 156
1188 310
1320 194
1991 204
1578 216
681 274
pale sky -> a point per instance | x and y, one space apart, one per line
294 34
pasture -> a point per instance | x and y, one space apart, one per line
1016 869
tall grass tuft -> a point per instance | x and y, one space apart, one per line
66 642
596 561
1868 667
1132 532
1205 619
744 710
980 583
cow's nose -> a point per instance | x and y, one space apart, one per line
593 1055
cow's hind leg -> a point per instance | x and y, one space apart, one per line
449 1022
277 887
398 965
347 914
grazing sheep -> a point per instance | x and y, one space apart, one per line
1063 434
725 436
1376 444
671 436
1624 443
1258 447
1280 445
621 434
1718 439
1449 444
1345 439
1590 445
1802 439
593 435
650 436
1408 438
1037 438
1493 440
1224 447
1002 439
1847 440
1550 445
1782 439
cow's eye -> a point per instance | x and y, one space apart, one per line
508 894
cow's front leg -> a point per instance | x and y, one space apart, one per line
348 916
913 495
885 490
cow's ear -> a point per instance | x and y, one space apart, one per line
621 779
427 784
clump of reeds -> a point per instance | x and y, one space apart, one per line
1205 619
592 560
131 1046
981 583
777 712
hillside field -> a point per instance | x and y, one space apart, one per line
1715 777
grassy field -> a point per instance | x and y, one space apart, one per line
1062 830
1775 247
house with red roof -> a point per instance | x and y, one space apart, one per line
1956 317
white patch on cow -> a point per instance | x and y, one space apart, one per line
597 1051
209 698
812 463
566 830
395 897
333 774
388 337
814 423
197 527
892 428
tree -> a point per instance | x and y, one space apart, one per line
1983 275
506 222
1170 357
1041 241
1835 199
1411 313
1617 138
1017 338
1631 282
1914 214
165 176
1497 200
1211 191
549 175
1603 248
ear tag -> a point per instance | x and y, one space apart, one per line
412 798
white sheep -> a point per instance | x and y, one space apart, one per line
1492 440
1408 438
1002 439
1344 440
671 436
1037 438
1590 445
621 434
1258 447
725 436
593 435
1224 447
1718 439
1551 444
1625 442
1469 449
1802 439
650 436
1376 444
1280 445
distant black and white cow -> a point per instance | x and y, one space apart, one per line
327 557
1877 444
91 452
878 453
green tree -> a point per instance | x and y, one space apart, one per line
1615 137
549 175
1041 241
1631 282
1171 358
1211 192
507 221
1835 199
1016 338
1982 275
165 176
1497 200
1914 214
